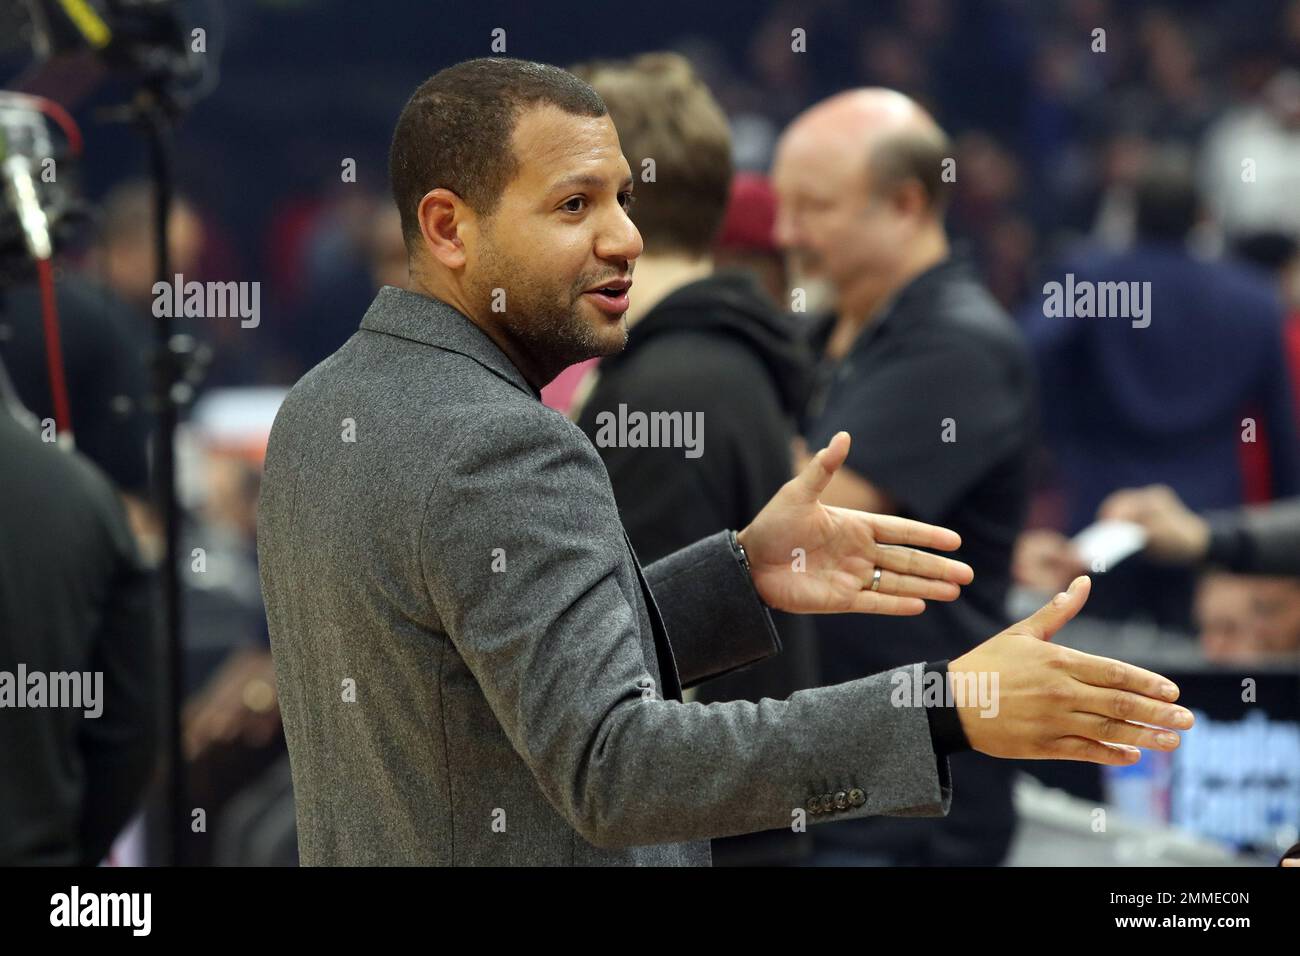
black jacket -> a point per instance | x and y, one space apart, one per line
73 598
104 345
719 348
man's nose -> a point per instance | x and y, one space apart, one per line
620 239
785 231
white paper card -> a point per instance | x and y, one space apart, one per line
1105 544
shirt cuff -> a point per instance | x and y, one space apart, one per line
946 732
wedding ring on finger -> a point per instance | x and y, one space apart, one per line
875 580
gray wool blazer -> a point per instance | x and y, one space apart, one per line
473 668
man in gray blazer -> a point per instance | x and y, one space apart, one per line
473 668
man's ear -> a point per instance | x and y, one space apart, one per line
445 220
910 199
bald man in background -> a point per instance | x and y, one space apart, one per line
931 377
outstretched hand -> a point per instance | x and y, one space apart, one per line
809 558
1062 704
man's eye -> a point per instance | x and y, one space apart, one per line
628 201
569 207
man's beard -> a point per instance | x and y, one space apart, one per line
546 325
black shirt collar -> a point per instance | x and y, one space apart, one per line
908 304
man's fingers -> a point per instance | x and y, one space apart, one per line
1105 672
821 468
909 585
1120 506
1057 612
1114 731
1092 751
891 529
923 565
1124 705
873 602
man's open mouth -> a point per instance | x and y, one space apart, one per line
611 297
613 289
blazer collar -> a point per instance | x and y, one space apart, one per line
429 321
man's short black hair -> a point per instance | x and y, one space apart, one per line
455 130
1166 203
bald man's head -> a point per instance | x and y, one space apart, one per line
860 181
890 135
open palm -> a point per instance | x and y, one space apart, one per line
809 558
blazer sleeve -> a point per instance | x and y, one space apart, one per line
520 547
712 614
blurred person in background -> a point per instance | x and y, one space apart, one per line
107 380
1248 620
745 240
1252 611
700 343
1190 399
225 611
231 730
74 599
1263 539
1276 603
126 259
332 257
125 262
931 377
1250 162
1225 618
104 309
985 210
1169 97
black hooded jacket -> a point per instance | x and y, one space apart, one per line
719 348
715 347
